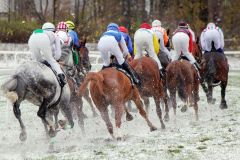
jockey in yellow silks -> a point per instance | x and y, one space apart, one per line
146 40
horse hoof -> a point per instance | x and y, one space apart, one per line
184 108
223 105
129 117
153 129
119 138
62 123
166 118
23 136
52 133
163 126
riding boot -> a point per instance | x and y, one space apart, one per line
197 66
62 79
127 68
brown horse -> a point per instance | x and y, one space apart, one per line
152 85
112 87
215 69
182 78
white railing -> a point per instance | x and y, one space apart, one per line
9 60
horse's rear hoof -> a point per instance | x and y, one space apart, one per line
166 118
153 129
129 117
223 105
52 133
184 108
119 138
23 136
62 123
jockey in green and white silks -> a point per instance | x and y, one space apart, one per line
44 44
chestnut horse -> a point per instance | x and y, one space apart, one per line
182 78
215 69
152 85
112 87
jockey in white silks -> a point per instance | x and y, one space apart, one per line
212 34
44 44
161 35
113 43
193 34
146 40
183 44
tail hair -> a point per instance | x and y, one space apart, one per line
91 76
181 89
8 89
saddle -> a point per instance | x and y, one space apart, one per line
55 73
118 67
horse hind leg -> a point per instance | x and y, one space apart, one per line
105 117
87 97
118 116
146 103
129 117
139 105
159 111
17 113
223 104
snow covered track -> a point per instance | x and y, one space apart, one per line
209 138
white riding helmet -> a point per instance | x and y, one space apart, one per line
48 26
64 38
156 23
211 25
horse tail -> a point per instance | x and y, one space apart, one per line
211 70
181 88
8 89
91 76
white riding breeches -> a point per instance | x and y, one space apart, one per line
108 46
209 36
40 48
180 42
144 41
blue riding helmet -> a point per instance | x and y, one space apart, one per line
113 27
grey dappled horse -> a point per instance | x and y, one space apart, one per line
35 82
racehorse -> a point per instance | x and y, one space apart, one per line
215 69
112 87
182 78
152 85
36 82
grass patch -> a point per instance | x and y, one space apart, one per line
202 147
204 139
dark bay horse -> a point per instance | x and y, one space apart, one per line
182 78
152 85
215 69
112 87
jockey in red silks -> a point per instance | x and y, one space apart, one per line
183 43
146 40
62 31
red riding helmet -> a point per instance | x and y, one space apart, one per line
145 25
123 29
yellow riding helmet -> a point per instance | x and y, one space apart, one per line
70 24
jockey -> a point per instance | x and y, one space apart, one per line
61 31
161 35
193 34
113 43
127 39
182 43
212 34
145 39
45 45
73 34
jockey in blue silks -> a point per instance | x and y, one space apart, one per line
113 43
73 34
127 39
